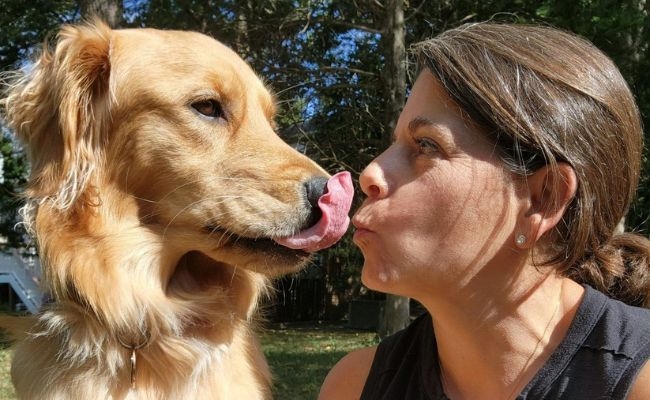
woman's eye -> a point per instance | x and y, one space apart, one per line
427 145
209 108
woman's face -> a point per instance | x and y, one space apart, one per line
439 208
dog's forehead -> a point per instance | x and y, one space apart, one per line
174 47
168 56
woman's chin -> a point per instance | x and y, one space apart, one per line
378 278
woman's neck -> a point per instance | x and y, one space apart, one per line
492 343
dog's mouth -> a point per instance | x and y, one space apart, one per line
264 246
332 222
329 225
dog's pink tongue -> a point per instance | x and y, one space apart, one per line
335 206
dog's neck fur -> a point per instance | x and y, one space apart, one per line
186 328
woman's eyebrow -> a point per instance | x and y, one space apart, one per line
419 122
415 124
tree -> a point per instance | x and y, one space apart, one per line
12 179
109 11
24 26
395 315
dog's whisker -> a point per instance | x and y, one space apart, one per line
146 200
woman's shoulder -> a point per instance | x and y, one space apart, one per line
619 326
641 388
348 377
608 336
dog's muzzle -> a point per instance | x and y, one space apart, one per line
330 201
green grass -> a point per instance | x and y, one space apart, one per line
299 356
6 390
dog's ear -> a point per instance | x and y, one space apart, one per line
54 110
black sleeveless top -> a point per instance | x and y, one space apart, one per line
605 347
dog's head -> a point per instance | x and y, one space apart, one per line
160 135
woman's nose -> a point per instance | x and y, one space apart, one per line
373 181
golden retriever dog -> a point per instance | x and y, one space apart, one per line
162 202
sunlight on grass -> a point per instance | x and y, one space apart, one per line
301 357
6 390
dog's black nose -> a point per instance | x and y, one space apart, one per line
314 189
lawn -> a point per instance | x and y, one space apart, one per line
299 356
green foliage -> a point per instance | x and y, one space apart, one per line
14 172
25 24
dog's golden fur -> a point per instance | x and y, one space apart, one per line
156 181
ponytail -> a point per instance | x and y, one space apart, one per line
620 269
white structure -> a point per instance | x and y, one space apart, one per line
23 275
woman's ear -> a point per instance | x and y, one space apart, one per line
551 190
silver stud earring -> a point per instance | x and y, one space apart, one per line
520 240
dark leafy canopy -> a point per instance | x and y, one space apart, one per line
22 25
26 23
325 58
14 171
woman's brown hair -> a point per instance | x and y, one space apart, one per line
546 96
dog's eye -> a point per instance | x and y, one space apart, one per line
209 108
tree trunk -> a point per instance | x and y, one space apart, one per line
393 75
396 309
110 11
242 42
395 316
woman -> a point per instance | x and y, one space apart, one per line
513 161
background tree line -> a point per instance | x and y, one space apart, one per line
340 71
